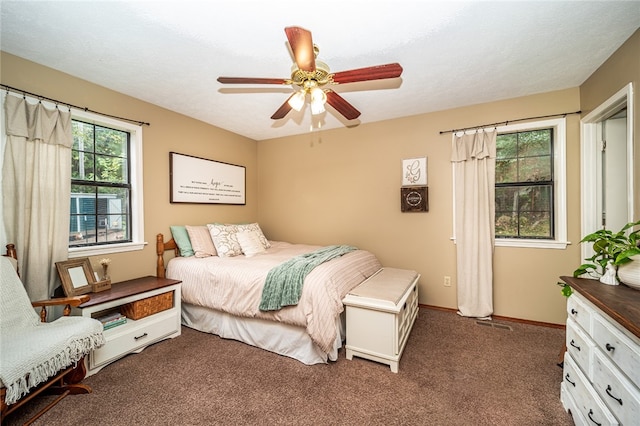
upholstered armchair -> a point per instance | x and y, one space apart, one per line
35 355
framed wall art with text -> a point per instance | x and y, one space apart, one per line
199 180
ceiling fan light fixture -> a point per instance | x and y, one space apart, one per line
317 108
318 99
297 100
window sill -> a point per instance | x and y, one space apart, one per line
108 249
543 244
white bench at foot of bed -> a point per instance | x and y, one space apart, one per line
380 314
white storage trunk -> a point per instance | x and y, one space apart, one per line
380 314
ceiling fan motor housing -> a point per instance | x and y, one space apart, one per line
321 75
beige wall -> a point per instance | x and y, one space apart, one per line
343 186
168 131
622 68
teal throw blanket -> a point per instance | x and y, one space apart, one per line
283 285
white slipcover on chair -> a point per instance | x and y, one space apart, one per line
32 351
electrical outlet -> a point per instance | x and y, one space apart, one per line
447 281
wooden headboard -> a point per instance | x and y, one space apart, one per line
11 251
161 247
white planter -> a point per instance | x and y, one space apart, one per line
609 276
629 273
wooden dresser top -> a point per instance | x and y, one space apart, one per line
127 288
620 302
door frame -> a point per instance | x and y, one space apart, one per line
589 149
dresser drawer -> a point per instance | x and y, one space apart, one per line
580 312
621 349
585 399
617 392
570 405
580 346
134 335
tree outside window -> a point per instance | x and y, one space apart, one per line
100 186
525 185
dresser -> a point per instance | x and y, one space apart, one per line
380 314
601 377
135 334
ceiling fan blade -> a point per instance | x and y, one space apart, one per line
378 72
342 106
283 110
302 47
250 80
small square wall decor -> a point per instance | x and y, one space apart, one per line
414 199
414 172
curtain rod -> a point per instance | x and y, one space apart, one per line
40 97
564 114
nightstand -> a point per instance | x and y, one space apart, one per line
134 335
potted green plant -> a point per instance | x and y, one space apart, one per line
610 248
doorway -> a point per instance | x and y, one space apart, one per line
612 191
607 165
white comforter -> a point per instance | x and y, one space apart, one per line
234 285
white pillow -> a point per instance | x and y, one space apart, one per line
254 227
201 241
250 243
224 239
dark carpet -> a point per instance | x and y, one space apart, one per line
453 372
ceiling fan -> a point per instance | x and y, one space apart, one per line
311 77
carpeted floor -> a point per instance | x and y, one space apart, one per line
453 372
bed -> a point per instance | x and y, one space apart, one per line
222 294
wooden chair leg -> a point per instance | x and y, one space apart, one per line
65 383
561 356
3 406
71 389
77 374
45 409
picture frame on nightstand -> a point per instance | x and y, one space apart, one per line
76 275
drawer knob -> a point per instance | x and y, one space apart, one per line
609 393
572 343
591 418
573 311
569 380
140 337
610 348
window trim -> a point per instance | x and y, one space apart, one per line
559 126
137 190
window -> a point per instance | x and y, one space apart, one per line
530 198
100 185
106 186
524 184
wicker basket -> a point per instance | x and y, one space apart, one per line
149 306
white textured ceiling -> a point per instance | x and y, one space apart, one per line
453 53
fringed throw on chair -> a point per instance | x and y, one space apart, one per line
33 351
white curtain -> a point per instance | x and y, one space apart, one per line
474 161
36 183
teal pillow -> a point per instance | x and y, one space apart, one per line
181 238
